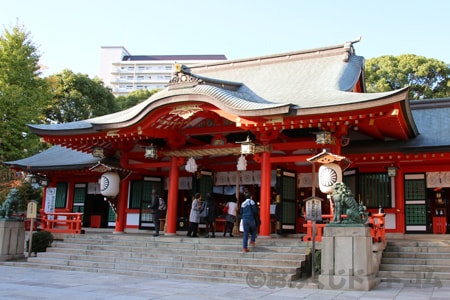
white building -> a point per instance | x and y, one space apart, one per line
124 73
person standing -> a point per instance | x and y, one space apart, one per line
194 216
248 213
230 217
211 215
155 212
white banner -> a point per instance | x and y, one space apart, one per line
50 199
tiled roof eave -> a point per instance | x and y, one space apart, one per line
356 101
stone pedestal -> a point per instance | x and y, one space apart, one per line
347 261
12 239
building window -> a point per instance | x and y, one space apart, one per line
79 196
374 190
135 194
61 195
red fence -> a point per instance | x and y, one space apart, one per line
61 222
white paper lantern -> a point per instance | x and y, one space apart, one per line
109 184
329 174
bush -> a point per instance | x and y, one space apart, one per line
40 241
318 262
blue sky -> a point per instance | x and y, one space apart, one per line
69 33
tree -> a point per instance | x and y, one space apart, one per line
427 77
134 98
77 97
27 192
23 94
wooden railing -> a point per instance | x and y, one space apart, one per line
61 222
376 225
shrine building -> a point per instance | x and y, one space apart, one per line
251 125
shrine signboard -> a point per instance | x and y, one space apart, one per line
313 208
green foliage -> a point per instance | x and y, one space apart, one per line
41 240
23 94
318 262
427 77
28 192
134 98
77 97
14 186
8 180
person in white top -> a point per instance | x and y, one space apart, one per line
230 218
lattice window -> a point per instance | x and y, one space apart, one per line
415 189
415 214
79 195
374 190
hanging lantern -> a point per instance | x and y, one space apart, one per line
109 184
151 152
247 147
323 138
98 152
329 174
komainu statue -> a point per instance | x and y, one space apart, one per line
345 203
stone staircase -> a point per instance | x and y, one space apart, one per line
178 257
419 262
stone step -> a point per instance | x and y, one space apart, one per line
163 241
422 249
152 246
106 250
219 259
431 275
415 268
426 255
159 258
100 261
418 262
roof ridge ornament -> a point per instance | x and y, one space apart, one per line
183 78
349 47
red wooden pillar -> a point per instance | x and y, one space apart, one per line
399 185
70 193
264 230
121 219
172 201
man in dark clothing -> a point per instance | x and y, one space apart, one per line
210 219
248 213
155 212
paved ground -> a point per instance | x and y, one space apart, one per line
30 283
